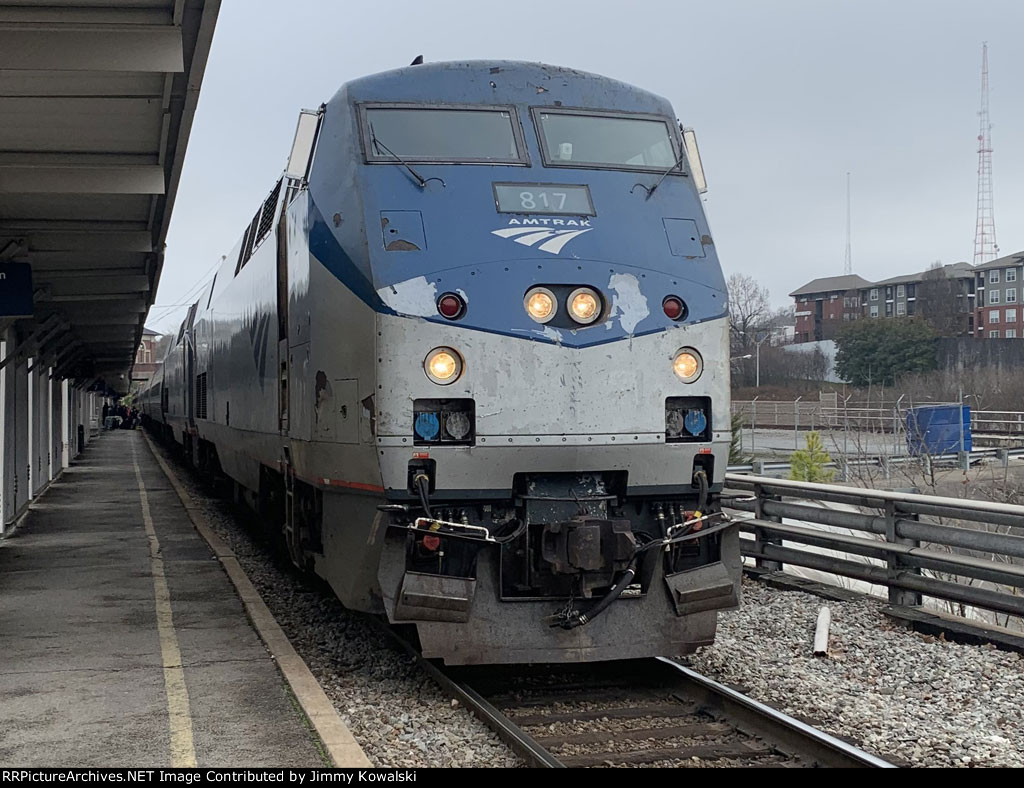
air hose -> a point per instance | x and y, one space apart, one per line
702 485
575 618
422 482
570 619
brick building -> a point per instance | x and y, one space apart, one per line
823 305
945 295
1000 288
146 362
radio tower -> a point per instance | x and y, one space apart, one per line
985 247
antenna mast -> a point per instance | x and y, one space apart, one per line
848 260
985 247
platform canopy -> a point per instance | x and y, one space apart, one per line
96 105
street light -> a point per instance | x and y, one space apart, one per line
757 343
757 374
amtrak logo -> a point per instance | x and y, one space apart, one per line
546 240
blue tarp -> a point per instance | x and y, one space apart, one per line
937 429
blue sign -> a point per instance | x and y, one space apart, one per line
15 290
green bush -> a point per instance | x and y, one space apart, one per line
809 463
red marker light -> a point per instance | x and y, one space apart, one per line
674 307
451 306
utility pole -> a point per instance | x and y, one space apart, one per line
757 362
848 260
985 246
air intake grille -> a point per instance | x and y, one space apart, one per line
259 228
267 215
201 396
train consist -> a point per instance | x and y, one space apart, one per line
471 355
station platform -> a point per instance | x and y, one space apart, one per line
123 642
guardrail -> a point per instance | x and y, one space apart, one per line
917 551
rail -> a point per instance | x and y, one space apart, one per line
782 734
565 705
914 545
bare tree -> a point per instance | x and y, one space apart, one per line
749 312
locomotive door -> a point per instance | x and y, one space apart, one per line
296 177
282 322
188 369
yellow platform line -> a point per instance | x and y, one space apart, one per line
341 746
183 753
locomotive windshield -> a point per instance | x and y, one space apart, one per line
575 139
424 134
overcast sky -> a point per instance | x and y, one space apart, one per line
786 97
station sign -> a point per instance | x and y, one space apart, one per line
15 290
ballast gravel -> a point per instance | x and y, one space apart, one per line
911 698
396 713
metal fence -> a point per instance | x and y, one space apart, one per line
997 422
962 551
886 464
813 415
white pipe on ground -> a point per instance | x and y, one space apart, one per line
821 632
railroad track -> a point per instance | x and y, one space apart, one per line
642 712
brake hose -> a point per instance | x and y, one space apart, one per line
702 485
422 482
577 619
574 618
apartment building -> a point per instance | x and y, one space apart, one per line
943 294
824 305
1000 288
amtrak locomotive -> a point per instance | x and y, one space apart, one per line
471 356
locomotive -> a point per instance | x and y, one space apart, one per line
471 357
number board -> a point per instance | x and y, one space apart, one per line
551 198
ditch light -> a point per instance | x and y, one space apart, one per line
443 421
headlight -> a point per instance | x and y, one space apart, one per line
585 305
443 365
540 304
688 365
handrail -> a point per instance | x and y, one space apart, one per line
856 494
900 548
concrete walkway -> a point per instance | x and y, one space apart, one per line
122 641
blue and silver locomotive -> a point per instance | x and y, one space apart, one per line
471 355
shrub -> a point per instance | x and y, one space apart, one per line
809 463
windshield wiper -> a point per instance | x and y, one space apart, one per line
381 146
664 175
